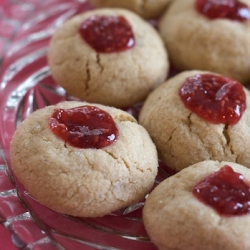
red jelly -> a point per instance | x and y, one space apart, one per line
230 9
107 34
225 191
216 99
84 127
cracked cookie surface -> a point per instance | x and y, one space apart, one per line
183 138
172 212
84 182
117 79
145 8
195 42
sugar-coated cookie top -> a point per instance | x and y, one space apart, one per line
88 182
196 41
176 219
184 137
92 59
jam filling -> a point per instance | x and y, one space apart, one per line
107 34
84 127
216 99
226 191
230 9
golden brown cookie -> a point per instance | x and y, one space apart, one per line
176 219
146 9
183 138
91 181
195 41
117 79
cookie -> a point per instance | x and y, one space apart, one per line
176 218
108 56
105 162
196 116
209 41
146 9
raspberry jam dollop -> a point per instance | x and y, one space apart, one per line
216 99
230 9
107 34
84 127
226 191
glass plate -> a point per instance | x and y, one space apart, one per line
26 85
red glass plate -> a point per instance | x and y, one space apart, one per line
26 85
